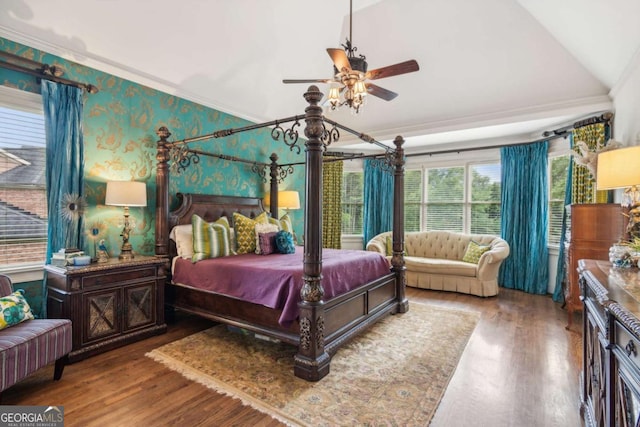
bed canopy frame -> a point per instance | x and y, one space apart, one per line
317 336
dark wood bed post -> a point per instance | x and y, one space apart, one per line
273 201
162 194
397 260
312 361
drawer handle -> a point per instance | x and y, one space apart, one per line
631 348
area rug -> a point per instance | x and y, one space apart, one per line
393 374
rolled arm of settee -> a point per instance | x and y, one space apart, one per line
379 243
490 261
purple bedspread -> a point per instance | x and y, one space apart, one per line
275 280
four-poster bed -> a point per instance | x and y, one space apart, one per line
321 325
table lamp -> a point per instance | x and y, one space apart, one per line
287 200
126 194
621 169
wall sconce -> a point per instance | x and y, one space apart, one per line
126 193
287 200
621 169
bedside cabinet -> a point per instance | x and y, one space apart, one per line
110 304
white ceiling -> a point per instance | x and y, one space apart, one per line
490 70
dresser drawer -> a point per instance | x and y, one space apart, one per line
627 343
110 277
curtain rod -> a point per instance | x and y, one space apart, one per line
42 71
561 132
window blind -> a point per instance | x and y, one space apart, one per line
23 206
352 202
444 207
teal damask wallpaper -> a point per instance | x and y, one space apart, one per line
119 126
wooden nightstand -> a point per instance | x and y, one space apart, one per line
110 304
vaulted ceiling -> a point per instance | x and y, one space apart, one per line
490 70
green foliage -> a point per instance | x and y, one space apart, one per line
352 202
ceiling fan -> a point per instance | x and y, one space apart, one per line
351 75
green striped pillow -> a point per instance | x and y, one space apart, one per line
284 223
210 240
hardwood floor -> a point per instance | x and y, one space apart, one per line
520 368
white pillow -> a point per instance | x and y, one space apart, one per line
264 228
183 236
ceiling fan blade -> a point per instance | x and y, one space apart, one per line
380 92
339 58
307 81
393 70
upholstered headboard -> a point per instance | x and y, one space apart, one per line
210 208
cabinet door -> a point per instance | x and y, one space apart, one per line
626 376
594 370
101 314
140 307
627 397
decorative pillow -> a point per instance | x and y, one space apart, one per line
284 242
245 229
389 247
183 236
474 252
284 223
14 309
267 243
263 228
210 240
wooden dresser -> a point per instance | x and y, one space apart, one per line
610 381
110 304
593 229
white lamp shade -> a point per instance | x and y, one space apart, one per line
126 193
618 168
286 200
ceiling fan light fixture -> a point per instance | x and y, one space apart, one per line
351 73
334 97
359 88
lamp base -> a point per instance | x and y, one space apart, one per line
126 253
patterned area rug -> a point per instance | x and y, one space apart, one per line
393 374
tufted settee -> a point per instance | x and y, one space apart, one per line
434 261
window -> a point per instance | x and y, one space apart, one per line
485 199
352 202
444 199
412 199
459 198
463 199
23 205
558 168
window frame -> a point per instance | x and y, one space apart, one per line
32 103
557 148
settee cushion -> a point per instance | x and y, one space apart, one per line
29 346
440 266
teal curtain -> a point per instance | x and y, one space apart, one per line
524 217
378 199
63 106
561 269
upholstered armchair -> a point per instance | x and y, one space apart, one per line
29 345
